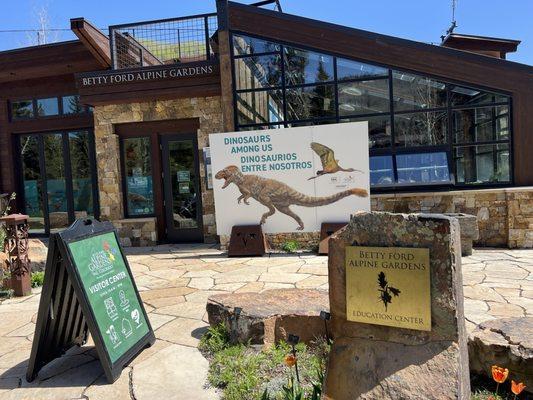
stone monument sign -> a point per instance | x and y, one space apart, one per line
396 301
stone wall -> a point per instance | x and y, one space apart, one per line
209 113
505 216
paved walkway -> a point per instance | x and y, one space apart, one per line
175 282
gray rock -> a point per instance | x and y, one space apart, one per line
268 317
469 231
507 342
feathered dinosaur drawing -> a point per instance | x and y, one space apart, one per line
329 164
276 195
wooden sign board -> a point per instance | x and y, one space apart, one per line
388 286
89 288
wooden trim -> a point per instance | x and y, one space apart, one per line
60 123
132 129
94 39
139 96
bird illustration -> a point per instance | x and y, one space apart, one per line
329 164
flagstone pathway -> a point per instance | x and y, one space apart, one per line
175 282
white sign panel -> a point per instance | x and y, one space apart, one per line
290 179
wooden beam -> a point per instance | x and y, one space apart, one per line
94 39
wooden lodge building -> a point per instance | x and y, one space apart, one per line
112 124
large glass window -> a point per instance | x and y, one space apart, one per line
32 182
364 97
302 66
58 178
310 102
422 130
261 107
137 158
482 164
413 92
484 124
422 168
348 69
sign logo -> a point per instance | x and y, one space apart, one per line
102 261
386 290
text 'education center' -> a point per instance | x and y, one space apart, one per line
102 125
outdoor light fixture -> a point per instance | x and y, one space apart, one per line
237 311
293 340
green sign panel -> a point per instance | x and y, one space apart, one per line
110 291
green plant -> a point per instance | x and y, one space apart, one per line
215 339
37 279
290 246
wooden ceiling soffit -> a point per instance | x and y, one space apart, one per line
94 39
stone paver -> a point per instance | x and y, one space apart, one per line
176 281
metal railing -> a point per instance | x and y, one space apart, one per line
161 42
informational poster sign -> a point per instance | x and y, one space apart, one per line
388 286
292 179
184 176
110 291
208 168
89 288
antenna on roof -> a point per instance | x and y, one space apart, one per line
454 22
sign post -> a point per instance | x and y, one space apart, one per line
89 288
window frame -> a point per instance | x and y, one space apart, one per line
448 147
65 138
124 182
61 114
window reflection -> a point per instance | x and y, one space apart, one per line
347 69
413 92
483 124
381 172
464 96
302 66
138 173
311 102
82 185
422 168
258 72
31 175
71 105
46 107
249 45
421 129
260 107
482 164
56 184
364 97
22 109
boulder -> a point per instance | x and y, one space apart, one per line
507 342
270 316
384 360
469 231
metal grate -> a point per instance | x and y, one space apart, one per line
168 41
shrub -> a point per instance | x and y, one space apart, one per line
290 246
37 279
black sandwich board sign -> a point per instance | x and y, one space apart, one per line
89 288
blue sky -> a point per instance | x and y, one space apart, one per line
420 20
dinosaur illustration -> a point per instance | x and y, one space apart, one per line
276 195
329 164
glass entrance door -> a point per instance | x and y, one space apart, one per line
58 179
183 205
